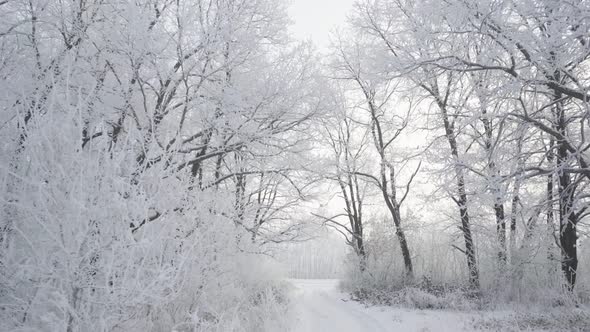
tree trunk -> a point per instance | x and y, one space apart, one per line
515 204
550 209
466 229
501 232
401 236
568 219
494 181
361 252
387 186
567 229
462 199
567 223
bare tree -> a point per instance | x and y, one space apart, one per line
385 125
348 142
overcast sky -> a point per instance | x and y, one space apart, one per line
315 19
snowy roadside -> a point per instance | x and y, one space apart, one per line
318 306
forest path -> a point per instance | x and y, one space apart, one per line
321 307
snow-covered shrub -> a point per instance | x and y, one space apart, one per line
130 135
554 320
73 262
414 297
440 282
383 280
383 266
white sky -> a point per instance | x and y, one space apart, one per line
314 19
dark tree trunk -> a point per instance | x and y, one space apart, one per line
351 192
513 215
550 203
387 181
354 205
568 223
568 219
389 196
461 200
405 251
400 234
567 230
501 231
360 245
466 229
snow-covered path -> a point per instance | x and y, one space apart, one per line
321 307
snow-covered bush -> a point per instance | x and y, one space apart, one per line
134 138
554 320
73 262
439 283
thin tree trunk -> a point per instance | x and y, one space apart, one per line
493 179
461 200
550 203
389 195
394 208
387 186
466 229
515 204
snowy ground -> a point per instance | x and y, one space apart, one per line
321 307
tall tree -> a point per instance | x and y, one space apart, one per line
386 124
